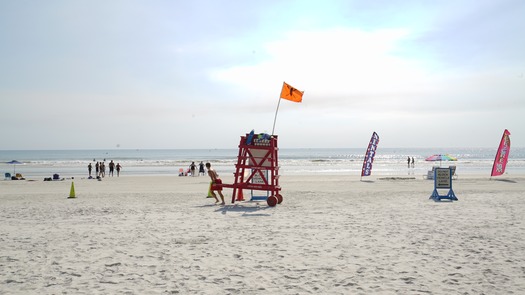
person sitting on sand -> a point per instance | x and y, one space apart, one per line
216 183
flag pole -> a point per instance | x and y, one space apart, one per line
275 119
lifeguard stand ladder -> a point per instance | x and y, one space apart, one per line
257 168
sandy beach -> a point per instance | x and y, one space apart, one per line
331 235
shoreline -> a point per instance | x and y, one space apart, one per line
336 161
39 173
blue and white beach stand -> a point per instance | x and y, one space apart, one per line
443 180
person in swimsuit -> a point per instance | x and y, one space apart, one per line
111 167
193 167
201 168
216 183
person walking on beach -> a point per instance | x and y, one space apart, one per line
193 167
408 162
413 162
89 169
111 168
102 169
97 169
201 168
118 169
216 183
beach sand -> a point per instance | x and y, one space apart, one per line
331 235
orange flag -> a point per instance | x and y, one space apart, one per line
291 93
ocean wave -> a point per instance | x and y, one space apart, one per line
291 161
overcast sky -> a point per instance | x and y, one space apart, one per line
198 74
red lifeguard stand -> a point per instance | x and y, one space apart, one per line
257 168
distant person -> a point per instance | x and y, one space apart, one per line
111 168
408 162
89 169
118 169
193 168
102 169
216 183
201 168
413 163
97 169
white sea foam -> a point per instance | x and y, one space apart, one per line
388 161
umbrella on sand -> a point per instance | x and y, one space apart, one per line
14 163
440 158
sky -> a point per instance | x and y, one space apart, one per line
199 74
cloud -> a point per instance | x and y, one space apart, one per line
338 64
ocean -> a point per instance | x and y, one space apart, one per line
338 161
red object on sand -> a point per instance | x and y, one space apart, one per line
240 196
258 159
279 198
272 201
502 156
